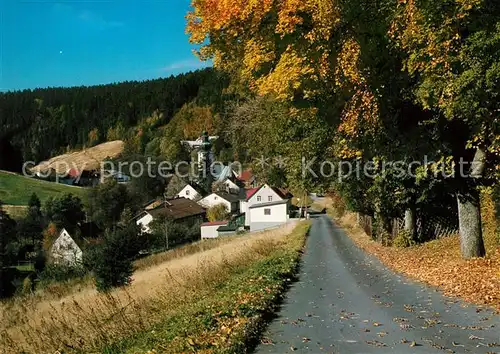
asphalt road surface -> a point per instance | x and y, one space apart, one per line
347 302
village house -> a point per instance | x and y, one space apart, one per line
268 215
68 250
190 192
247 179
230 201
179 210
261 195
65 250
209 229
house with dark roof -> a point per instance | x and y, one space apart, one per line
230 201
178 210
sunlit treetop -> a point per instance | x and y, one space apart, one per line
284 49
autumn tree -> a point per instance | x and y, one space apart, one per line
453 51
93 137
218 212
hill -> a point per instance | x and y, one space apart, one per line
87 159
16 189
53 119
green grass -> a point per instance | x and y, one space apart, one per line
17 190
25 267
228 316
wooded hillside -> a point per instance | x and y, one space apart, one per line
41 123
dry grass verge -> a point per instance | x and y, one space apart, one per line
439 263
163 297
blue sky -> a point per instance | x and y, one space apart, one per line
86 42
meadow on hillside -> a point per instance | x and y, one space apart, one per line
17 190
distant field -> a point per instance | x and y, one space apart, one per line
17 190
87 159
16 212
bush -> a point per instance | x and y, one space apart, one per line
39 261
111 262
28 285
178 234
59 273
404 239
218 213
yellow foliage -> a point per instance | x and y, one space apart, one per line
287 77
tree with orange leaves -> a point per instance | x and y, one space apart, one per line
363 64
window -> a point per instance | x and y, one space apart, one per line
187 192
270 198
259 198
215 198
267 211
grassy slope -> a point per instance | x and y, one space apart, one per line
214 300
227 316
16 189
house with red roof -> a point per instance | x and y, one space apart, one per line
270 196
248 179
209 229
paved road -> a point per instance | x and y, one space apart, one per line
347 302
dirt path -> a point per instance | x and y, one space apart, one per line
348 302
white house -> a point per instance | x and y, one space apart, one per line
267 215
65 250
189 192
260 195
230 201
231 187
143 220
209 229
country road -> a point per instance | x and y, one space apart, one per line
347 302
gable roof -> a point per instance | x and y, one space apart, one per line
252 191
155 203
177 208
282 192
246 176
197 188
76 240
227 196
88 234
261 205
226 173
73 172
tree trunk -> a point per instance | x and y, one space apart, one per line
383 229
411 223
469 212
